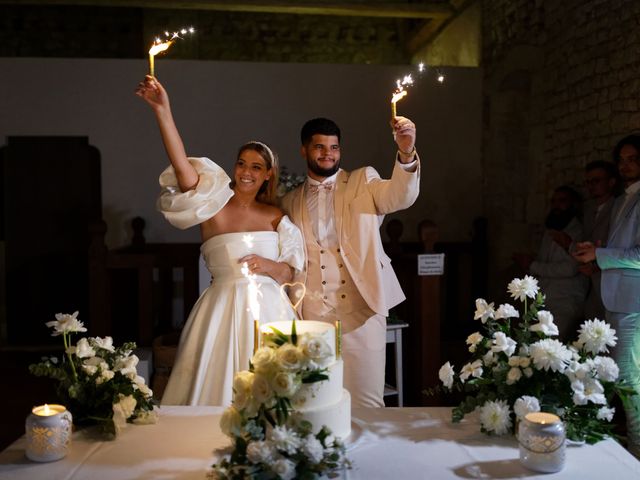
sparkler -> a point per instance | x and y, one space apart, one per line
253 292
160 46
402 86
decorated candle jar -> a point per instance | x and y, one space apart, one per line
542 442
48 432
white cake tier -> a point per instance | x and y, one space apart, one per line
323 329
320 394
336 417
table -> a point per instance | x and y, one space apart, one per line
394 336
387 443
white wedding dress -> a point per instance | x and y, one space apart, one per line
217 340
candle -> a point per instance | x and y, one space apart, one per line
48 432
542 442
338 338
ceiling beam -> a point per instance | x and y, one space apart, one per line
425 10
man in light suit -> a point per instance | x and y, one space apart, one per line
619 261
348 275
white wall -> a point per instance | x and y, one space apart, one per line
220 105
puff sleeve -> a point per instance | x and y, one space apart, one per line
186 209
291 244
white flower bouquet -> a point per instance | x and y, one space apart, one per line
517 368
287 181
269 440
97 381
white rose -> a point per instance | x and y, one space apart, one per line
146 417
126 404
105 343
261 389
289 357
105 376
264 360
231 422
83 349
242 383
284 384
316 349
513 375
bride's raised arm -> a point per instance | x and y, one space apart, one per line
152 92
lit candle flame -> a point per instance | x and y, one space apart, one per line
46 410
160 46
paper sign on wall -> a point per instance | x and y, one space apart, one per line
431 264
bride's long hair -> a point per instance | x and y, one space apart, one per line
267 191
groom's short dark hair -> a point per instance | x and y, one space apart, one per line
318 126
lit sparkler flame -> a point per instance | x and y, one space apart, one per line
160 46
400 92
253 293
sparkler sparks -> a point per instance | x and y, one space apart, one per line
404 83
160 45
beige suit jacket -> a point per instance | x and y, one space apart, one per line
361 201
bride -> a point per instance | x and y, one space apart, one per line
240 226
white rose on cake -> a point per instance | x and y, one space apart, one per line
316 350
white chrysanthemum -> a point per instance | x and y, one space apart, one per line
494 417
502 343
473 340
65 323
313 449
264 360
606 368
285 439
446 375
578 370
545 324
484 310
513 375
605 413
550 354
473 369
261 452
523 288
526 404
506 311
595 336
285 469
588 390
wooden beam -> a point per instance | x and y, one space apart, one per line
381 10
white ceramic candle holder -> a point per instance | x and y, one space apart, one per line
542 442
48 431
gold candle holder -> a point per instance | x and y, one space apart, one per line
256 335
151 65
338 338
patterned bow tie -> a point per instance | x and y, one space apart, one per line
322 186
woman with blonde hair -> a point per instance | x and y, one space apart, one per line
240 227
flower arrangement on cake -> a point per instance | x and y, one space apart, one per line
97 381
517 367
269 439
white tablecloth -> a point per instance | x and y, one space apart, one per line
386 443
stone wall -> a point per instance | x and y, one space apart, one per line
561 86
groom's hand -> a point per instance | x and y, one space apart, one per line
404 133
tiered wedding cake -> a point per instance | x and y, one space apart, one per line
323 403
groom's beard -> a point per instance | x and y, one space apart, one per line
323 172
559 219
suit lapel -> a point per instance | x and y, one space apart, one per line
620 219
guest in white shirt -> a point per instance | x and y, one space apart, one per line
348 275
619 261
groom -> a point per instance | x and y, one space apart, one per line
348 275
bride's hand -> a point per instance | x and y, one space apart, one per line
257 265
152 92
